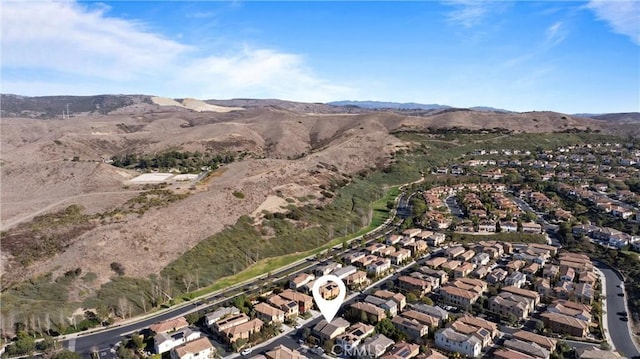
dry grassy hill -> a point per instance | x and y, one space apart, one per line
50 164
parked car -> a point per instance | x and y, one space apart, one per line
246 351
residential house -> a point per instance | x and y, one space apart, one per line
596 353
531 227
399 298
403 350
387 251
353 257
328 268
198 349
300 280
531 295
467 255
441 275
451 265
458 297
436 239
170 325
583 293
508 226
431 354
587 277
305 302
563 290
374 314
381 266
414 285
400 256
436 262
567 274
344 272
543 341
515 265
365 261
375 248
422 318
432 310
289 307
163 342
481 259
551 272
268 313
454 252
354 335
553 251
220 313
564 324
464 270
229 321
481 272
282 352
325 331
450 340
487 226
531 270
393 239
413 328
242 331
497 276
374 347
531 349
491 327
507 304
357 280
504 353
389 306
516 279
476 285
579 311
411 232
417 247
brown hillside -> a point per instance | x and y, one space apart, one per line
283 152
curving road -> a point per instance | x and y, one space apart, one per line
619 330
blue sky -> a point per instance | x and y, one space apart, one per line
573 57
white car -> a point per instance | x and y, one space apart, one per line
246 351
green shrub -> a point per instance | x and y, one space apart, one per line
238 194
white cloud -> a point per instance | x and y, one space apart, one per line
555 33
259 72
58 42
467 13
622 16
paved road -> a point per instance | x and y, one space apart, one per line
454 208
550 229
619 330
102 341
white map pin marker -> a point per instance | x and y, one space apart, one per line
328 308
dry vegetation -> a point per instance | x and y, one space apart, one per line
290 155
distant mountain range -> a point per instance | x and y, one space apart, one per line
375 105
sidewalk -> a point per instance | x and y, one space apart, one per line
605 319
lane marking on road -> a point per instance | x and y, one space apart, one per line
72 345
